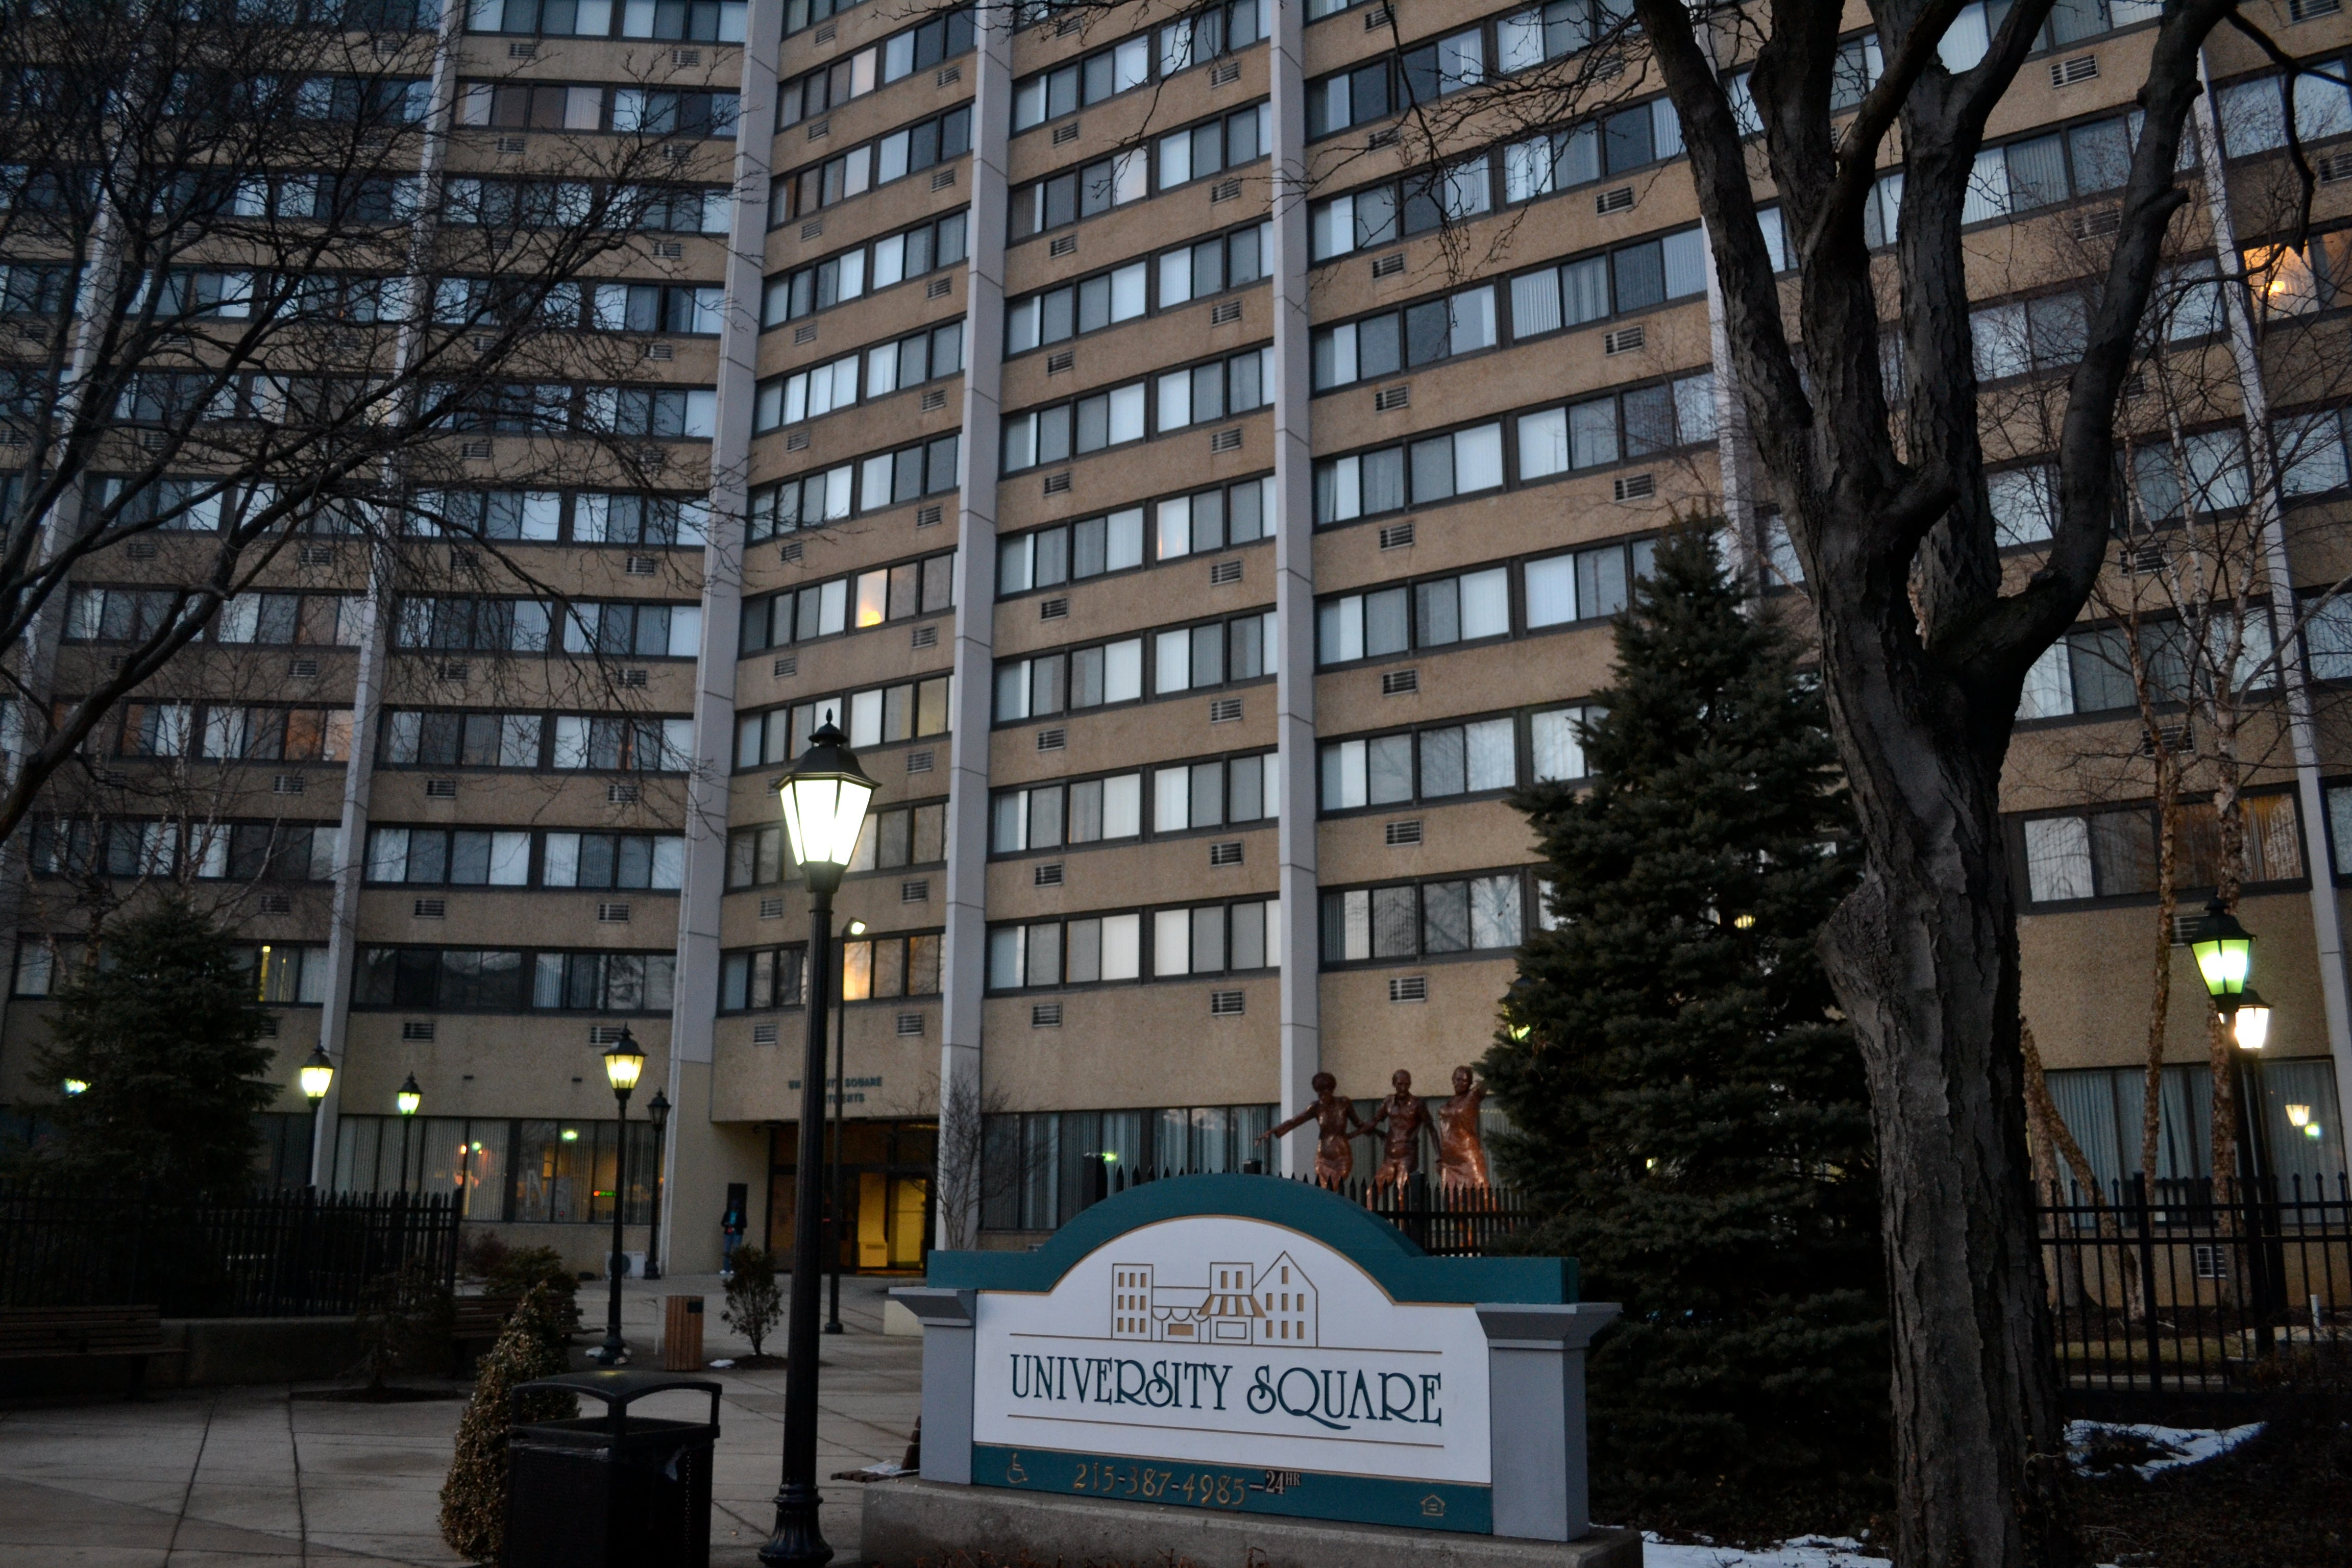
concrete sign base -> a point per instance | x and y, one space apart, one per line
913 1522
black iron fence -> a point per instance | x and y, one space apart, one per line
298 1254
1449 1222
2188 1286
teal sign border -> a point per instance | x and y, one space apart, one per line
1306 1494
1399 1268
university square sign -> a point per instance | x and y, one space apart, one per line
1250 1344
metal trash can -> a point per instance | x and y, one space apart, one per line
601 1491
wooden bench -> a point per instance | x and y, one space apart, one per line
43 1333
476 1323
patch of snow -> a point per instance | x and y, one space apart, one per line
722 1365
1804 1551
2169 1447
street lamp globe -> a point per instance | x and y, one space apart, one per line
2224 951
74 1085
825 799
624 1062
410 1097
2250 1024
318 1073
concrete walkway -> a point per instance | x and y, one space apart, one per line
253 1478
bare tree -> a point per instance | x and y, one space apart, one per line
260 311
1923 655
967 1184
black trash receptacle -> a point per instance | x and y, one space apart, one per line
608 1489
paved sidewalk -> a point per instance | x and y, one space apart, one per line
251 1477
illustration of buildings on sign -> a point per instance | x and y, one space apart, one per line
1239 1305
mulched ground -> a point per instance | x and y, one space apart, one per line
2282 1501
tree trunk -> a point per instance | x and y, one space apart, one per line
1925 955
2159 1010
2230 830
2048 1125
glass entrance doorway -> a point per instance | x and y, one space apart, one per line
886 1192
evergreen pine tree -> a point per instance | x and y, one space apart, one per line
1688 1109
166 1030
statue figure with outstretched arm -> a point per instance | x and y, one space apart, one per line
1461 1153
1405 1116
1335 1120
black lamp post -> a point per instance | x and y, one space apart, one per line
824 798
623 1063
409 1098
839 1215
2224 953
658 1113
317 1075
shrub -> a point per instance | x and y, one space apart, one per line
753 1302
520 1268
483 1254
474 1497
402 1323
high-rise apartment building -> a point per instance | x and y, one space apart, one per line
1197 466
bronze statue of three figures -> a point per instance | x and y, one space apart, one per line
1461 1154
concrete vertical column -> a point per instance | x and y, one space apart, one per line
688 1147
948 1319
1294 592
1535 1412
2294 671
375 614
963 951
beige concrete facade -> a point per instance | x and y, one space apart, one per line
1116 1061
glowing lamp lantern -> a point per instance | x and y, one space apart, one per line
410 1097
623 1063
318 1073
74 1085
2224 951
2250 1024
824 798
